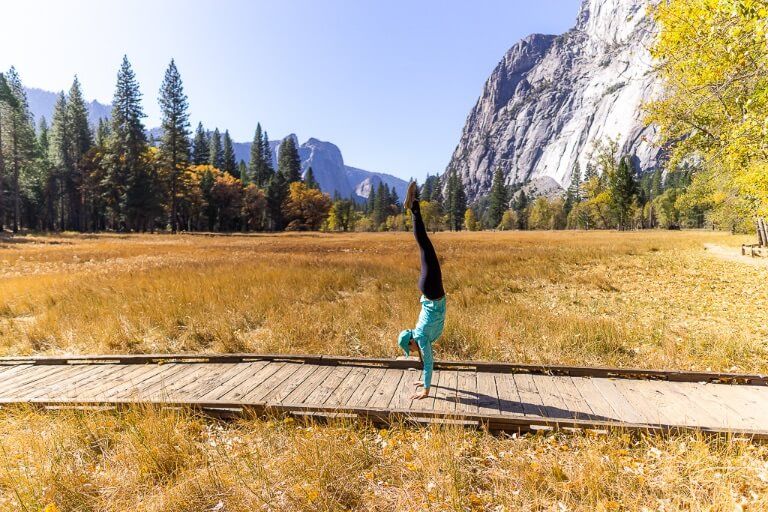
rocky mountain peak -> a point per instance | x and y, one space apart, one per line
551 98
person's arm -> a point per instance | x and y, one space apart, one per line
425 350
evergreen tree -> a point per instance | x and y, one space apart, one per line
127 177
20 138
371 201
521 209
79 144
573 195
266 151
499 200
7 105
277 191
310 180
242 171
259 168
102 133
623 188
229 163
215 153
200 147
456 203
174 145
288 161
59 157
379 205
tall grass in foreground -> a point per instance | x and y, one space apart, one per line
151 460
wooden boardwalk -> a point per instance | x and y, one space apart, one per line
500 396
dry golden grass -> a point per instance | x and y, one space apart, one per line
150 460
633 299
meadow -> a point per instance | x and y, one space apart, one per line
643 299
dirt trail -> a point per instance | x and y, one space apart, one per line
734 254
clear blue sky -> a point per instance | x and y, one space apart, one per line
390 82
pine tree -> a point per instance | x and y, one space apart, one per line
8 104
79 144
371 201
573 195
379 205
215 153
59 156
242 171
127 179
521 209
102 133
20 137
200 146
623 189
288 161
499 202
310 180
277 191
457 201
229 162
174 145
260 170
266 151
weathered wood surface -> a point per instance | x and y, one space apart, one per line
501 396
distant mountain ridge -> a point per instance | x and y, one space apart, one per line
42 103
325 158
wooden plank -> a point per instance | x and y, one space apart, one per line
151 379
487 394
21 389
385 391
304 389
31 375
601 408
66 385
570 395
529 398
114 375
210 382
365 390
648 401
626 410
751 408
251 380
328 386
187 379
553 405
681 394
445 393
243 372
466 394
480 366
286 387
405 390
720 410
346 389
270 383
430 402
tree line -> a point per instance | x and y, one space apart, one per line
70 176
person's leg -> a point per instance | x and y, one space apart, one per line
431 278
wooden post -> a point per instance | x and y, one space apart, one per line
764 236
760 240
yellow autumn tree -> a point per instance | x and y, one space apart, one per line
305 208
712 57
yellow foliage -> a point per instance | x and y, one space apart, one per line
713 60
